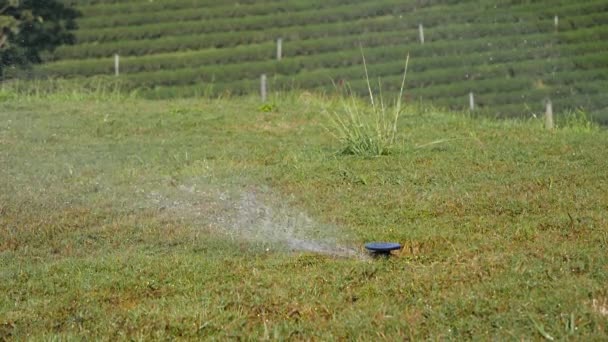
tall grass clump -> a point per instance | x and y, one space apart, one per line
578 120
367 129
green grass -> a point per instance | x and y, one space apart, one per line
115 218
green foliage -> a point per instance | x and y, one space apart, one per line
36 26
10 23
268 107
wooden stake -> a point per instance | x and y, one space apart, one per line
549 115
279 49
263 88
421 33
116 64
556 22
471 102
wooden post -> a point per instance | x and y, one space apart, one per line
471 102
421 33
556 22
263 88
116 64
549 115
279 49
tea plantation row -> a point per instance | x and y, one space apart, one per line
512 54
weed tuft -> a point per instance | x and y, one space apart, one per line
367 129
268 108
578 120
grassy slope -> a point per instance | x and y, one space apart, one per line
504 225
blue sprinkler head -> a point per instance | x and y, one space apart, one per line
382 248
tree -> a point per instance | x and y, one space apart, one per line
29 27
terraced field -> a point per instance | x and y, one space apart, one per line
511 54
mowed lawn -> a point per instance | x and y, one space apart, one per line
124 219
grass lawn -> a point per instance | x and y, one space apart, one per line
134 219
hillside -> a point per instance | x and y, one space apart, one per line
511 54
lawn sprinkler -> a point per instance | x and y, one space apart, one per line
382 248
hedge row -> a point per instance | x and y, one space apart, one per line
151 7
197 42
498 98
196 59
439 15
341 50
236 38
446 32
512 97
117 7
534 107
223 11
112 7
432 79
535 92
146 47
472 73
334 14
347 55
264 12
